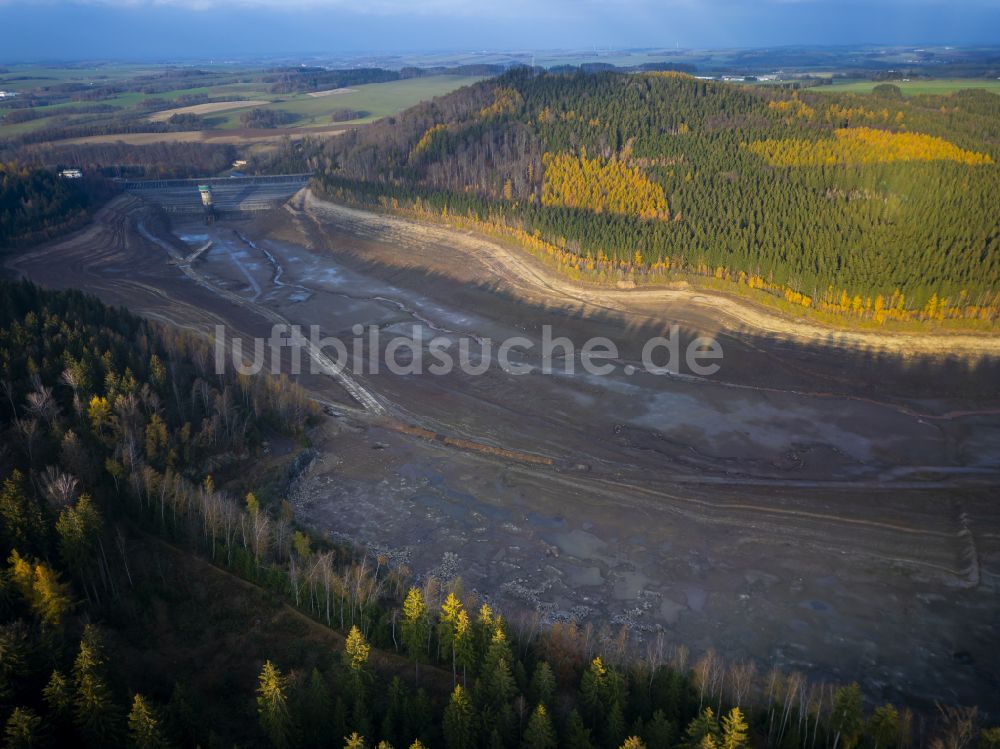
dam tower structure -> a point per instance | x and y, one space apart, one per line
207 203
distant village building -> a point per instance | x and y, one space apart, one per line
8 94
71 174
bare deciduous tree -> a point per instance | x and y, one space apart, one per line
59 487
705 669
958 727
741 678
42 405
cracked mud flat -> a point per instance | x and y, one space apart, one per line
812 506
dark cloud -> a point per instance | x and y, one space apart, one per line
220 29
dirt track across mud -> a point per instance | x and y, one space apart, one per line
822 504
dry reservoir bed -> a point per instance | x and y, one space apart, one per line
817 507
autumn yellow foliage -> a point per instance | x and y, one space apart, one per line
506 100
425 140
794 107
838 115
601 185
863 145
668 74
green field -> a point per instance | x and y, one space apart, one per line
916 87
378 99
132 98
125 101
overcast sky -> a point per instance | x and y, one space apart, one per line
219 29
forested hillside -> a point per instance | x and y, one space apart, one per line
36 204
873 207
156 590
154 160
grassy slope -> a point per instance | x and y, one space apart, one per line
378 99
128 100
916 87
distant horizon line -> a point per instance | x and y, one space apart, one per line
593 50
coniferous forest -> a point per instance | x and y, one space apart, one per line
869 207
36 204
